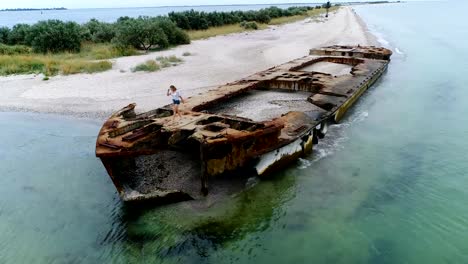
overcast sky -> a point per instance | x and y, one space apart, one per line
132 3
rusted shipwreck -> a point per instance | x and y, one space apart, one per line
150 157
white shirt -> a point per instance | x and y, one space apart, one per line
175 95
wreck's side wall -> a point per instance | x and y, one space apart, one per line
350 102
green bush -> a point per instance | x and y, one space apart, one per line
55 36
149 66
20 35
4 33
100 32
175 35
169 61
141 33
195 20
249 25
263 17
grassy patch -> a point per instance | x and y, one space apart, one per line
14 50
249 25
48 65
159 63
105 51
237 28
79 66
21 60
169 61
148 66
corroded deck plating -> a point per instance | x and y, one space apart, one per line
224 144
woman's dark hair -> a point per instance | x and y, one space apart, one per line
173 87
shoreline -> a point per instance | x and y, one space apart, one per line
96 96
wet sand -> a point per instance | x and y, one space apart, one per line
214 61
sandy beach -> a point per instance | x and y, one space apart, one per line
213 62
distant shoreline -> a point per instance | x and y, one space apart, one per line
32 9
196 6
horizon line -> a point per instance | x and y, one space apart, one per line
163 6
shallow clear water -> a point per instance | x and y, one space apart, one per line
387 185
9 19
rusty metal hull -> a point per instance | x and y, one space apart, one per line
149 157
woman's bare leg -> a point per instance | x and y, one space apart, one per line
178 112
174 111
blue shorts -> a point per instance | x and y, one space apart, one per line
176 102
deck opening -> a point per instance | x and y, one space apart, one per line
261 105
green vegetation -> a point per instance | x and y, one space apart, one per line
54 36
249 25
102 51
149 66
159 63
54 47
14 50
4 33
237 28
97 32
147 33
195 20
19 35
22 60
169 61
49 65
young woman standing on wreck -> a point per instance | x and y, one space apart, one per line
176 99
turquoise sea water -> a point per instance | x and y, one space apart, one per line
387 185
112 14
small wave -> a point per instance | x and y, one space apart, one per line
383 41
304 164
318 154
380 38
360 117
399 51
321 153
333 141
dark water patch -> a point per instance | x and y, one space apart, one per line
396 184
235 226
382 251
297 221
356 172
28 188
444 96
252 211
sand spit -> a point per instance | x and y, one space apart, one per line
213 62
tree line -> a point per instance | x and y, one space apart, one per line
144 33
53 36
199 20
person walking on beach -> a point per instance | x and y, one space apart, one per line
176 99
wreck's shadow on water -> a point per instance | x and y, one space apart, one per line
193 232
